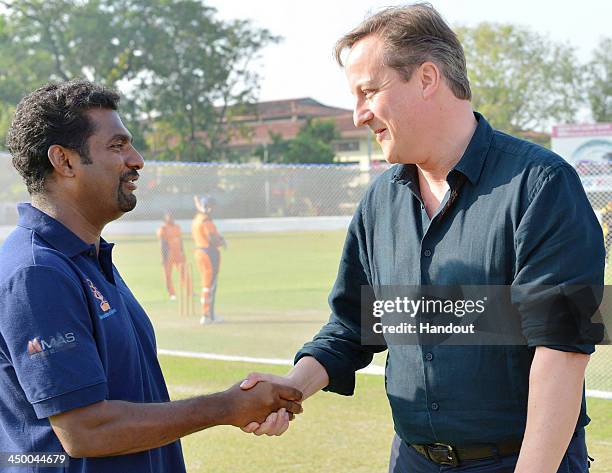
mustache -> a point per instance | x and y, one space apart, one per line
128 175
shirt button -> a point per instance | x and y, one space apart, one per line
427 253
429 356
435 406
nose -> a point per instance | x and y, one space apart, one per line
135 159
362 114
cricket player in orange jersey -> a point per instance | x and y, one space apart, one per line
169 234
207 241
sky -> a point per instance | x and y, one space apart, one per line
302 64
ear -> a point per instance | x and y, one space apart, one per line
62 160
430 77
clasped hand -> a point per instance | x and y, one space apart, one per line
277 422
255 403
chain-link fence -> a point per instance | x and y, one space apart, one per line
239 191
245 193
252 191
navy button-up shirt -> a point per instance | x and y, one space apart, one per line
515 214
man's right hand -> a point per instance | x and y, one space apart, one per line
116 427
256 403
308 375
277 422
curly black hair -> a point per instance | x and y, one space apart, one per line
54 114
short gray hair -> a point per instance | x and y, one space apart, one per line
412 35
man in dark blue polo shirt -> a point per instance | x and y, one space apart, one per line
78 365
464 205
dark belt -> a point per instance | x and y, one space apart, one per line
443 454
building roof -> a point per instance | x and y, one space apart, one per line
259 133
290 109
286 117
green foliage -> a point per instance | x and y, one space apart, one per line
184 71
6 113
521 80
599 80
197 73
22 68
275 151
312 145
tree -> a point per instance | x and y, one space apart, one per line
275 151
312 145
70 39
179 66
21 69
61 40
599 82
520 80
196 72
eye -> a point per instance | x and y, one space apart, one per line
367 93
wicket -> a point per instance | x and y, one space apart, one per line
186 301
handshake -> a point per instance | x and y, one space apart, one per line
261 404
308 375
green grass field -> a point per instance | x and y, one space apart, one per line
273 294
335 433
273 290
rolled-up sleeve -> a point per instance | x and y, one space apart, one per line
338 345
559 263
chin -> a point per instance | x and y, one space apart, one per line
127 203
389 152
128 208
397 158
391 158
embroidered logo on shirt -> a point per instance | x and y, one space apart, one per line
34 346
38 346
104 305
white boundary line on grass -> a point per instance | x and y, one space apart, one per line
599 394
372 369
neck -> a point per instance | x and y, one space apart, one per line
452 137
71 216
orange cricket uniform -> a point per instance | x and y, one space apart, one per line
172 252
208 258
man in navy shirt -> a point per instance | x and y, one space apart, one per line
464 205
78 365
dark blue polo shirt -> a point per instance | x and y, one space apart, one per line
515 214
71 334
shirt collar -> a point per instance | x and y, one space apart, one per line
470 164
51 230
473 159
